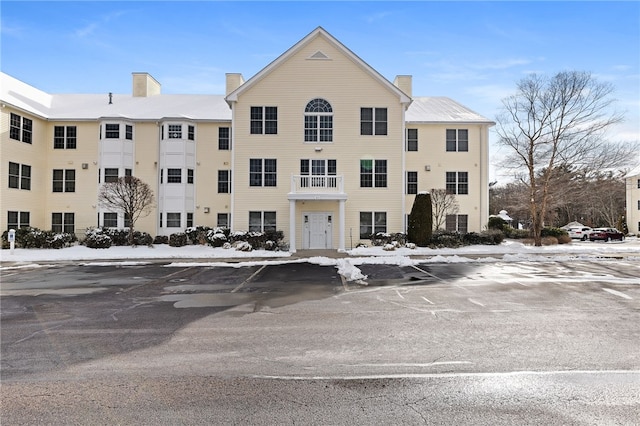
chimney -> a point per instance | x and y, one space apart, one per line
234 80
404 83
144 85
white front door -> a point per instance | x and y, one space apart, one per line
317 231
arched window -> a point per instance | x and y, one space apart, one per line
318 121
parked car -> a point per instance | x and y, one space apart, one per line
580 232
606 234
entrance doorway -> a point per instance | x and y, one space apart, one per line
317 232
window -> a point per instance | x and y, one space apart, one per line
224 138
63 222
112 131
224 181
189 220
457 182
127 220
412 182
128 132
372 223
412 139
457 140
173 220
373 173
264 120
223 220
318 121
174 176
110 175
322 173
19 176
638 183
17 220
373 121
457 223
64 137
110 220
262 172
20 128
189 175
638 204
262 221
191 133
175 131
64 180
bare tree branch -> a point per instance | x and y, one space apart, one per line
128 195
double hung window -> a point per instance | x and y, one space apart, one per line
20 128
457 140
224 181
17 220
457 222
264 120
373 173
263 172
371 223
63 222
64 137
260 221
412 182
224 139
373 121
412 139
19 176
457 182
64 180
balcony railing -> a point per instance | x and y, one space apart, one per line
317 184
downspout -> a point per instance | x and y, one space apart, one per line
232 213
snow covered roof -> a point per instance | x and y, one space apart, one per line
96 106
191 107
440 109
634 172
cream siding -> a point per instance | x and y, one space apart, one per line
632 182
316 67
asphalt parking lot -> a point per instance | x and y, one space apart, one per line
502 343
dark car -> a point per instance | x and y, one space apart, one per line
606 234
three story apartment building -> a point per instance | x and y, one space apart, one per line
317 144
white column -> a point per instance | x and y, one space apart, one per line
341 220
292 226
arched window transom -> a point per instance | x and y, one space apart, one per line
318 121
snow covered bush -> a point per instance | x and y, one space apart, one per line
97 239
217 237
389 247
410 246
384 238
242 246
35 238
178 239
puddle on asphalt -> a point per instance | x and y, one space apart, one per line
203 300
227 300
76 291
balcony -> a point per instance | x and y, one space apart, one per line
309 187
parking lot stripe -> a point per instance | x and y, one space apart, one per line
618 293
248 279
475 302
425 272
427 300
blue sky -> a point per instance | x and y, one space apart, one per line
473 52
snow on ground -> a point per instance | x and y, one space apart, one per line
508 251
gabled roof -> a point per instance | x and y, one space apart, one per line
318 32
441 109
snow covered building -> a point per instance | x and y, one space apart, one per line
317 144
632 181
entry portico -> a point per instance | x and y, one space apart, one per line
317 222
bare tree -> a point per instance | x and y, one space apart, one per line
555 121
442 203
128 195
